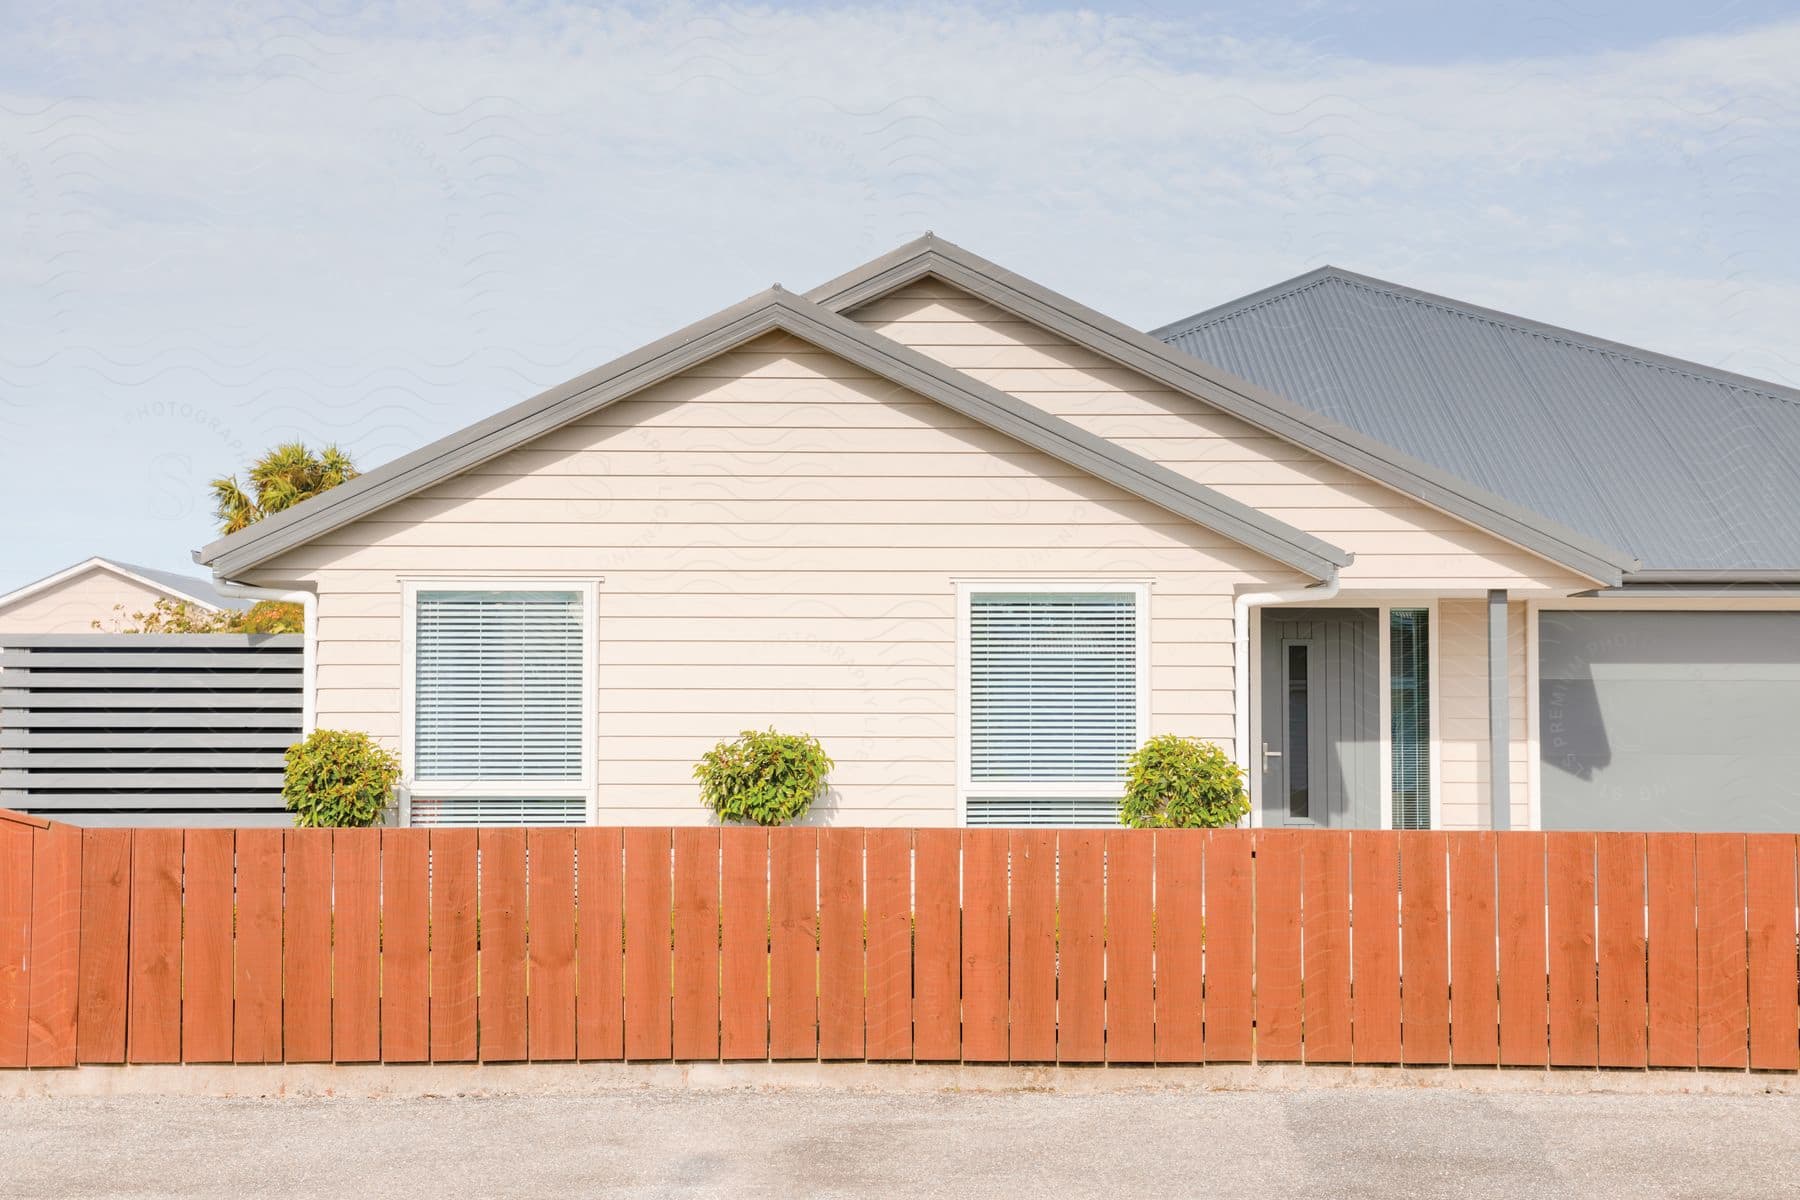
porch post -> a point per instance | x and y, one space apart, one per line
1499 735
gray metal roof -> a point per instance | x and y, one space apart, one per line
191 585
1690 468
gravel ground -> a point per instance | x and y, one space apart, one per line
1340 1142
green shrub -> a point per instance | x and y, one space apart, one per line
763 777
1182 783
337 778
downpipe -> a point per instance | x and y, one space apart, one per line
1240 674
309 642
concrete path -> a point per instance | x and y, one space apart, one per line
1341 1142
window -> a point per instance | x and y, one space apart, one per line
1299 729
1409 714
499 706
1054 699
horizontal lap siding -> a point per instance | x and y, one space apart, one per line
1463 714
73 605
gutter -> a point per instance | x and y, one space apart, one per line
1240 674
309 653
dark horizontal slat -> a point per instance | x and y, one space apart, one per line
156 680
60 802
112 759
186 820
285 722
134 780
137 641
106 738
13 698
39 660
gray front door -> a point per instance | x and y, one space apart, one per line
1321 718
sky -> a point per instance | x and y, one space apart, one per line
373 225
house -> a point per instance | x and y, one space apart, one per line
101 590
1413 563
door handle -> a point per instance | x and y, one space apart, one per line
1268 754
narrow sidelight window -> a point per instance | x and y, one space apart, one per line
1409 706
1299 731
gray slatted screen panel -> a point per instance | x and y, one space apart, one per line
148 729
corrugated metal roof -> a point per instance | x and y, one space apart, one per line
192 585
1688 467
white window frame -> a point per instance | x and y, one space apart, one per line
587 787
966 786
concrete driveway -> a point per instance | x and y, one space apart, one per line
1340 1142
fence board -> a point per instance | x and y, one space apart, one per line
744 958
1278 966
1674 1015
1130 935
599 944
256 974
696 961
454 979
1325 924
356 945
1375 946
1769 916
841 1007
1179 936
405 945
1081 957
500 1003
1230 946
985 946
938 945
1031 1009
1424 949
793 943
154 1035
56 947
1622 1012
206 939
105 942
1524 1006
306 947
889 956
648 1028
15 941
550 917
1569 880
1474 978
1723 1038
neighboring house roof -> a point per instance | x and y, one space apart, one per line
1583 552
771 311
189 588
1694 470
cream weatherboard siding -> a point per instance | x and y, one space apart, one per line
1463 715
778 537
74 604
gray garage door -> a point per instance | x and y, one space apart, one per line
1670 720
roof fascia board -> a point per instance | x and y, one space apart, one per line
101 564
1142 353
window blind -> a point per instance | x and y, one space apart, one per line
1409 705
499 810
1053 685
498 685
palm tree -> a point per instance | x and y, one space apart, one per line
281 479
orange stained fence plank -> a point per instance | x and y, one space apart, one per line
1569 884
1180 941
1375 946
154 1034
56 947
306 947
985 965
550 911
1474 969
841 1007
1032 978
1424 948
648 1008
356 945
1081 956
599 944
889 956
937 945
1230 945
15 940
793 943
1774 1018
500 1005
1721 995
405 945
256 973
696 961
1524 1010
744 956
1622 1012
1325 924
206 946
1130 935
105 943
454 968
1278 999
1674 1015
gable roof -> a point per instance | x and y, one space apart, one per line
1340 443
1691 468
189 588
767 312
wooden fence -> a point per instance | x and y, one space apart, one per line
981 946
